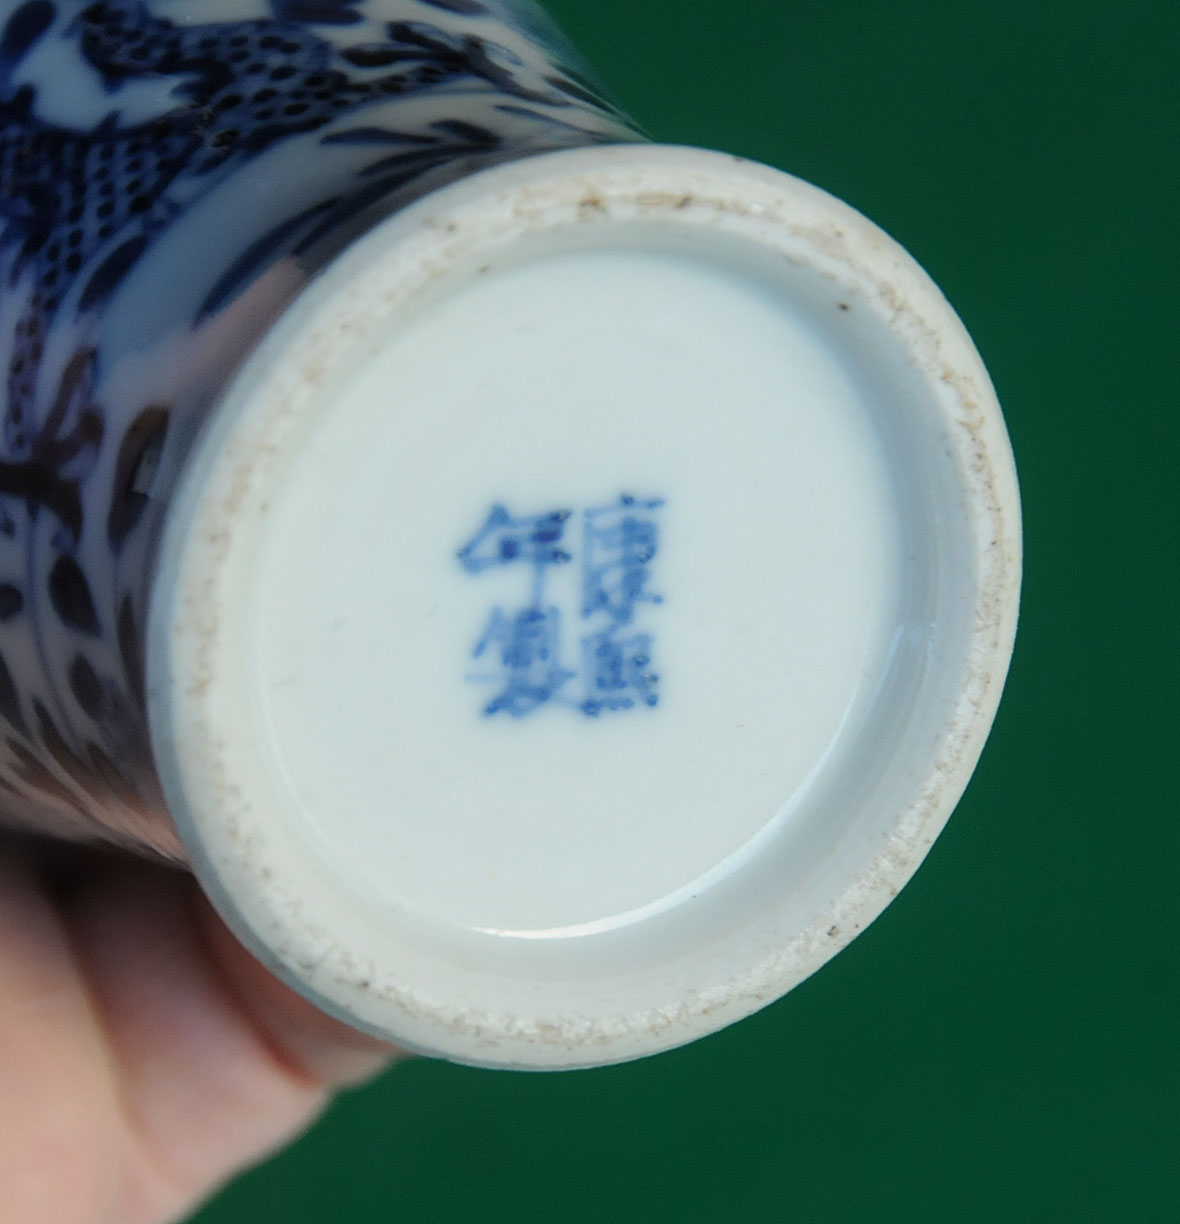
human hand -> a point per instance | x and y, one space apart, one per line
144 1055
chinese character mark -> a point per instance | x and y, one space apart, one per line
620 541
617 672
526 641
505 540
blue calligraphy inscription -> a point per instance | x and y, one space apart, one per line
523 647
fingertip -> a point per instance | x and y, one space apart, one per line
309 1043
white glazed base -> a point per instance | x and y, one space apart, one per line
837 574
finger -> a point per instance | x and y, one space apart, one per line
61 1141
312 1043
206 1091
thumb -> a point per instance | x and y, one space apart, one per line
309 1042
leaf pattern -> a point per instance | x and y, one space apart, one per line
69 592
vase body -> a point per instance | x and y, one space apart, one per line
171 176
550 587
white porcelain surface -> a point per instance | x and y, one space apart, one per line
828 607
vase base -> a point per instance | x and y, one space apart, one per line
585 607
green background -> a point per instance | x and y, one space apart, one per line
1002 1044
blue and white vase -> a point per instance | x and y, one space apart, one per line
552 588
222 161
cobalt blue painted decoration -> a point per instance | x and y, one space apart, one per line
167 186
611 669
